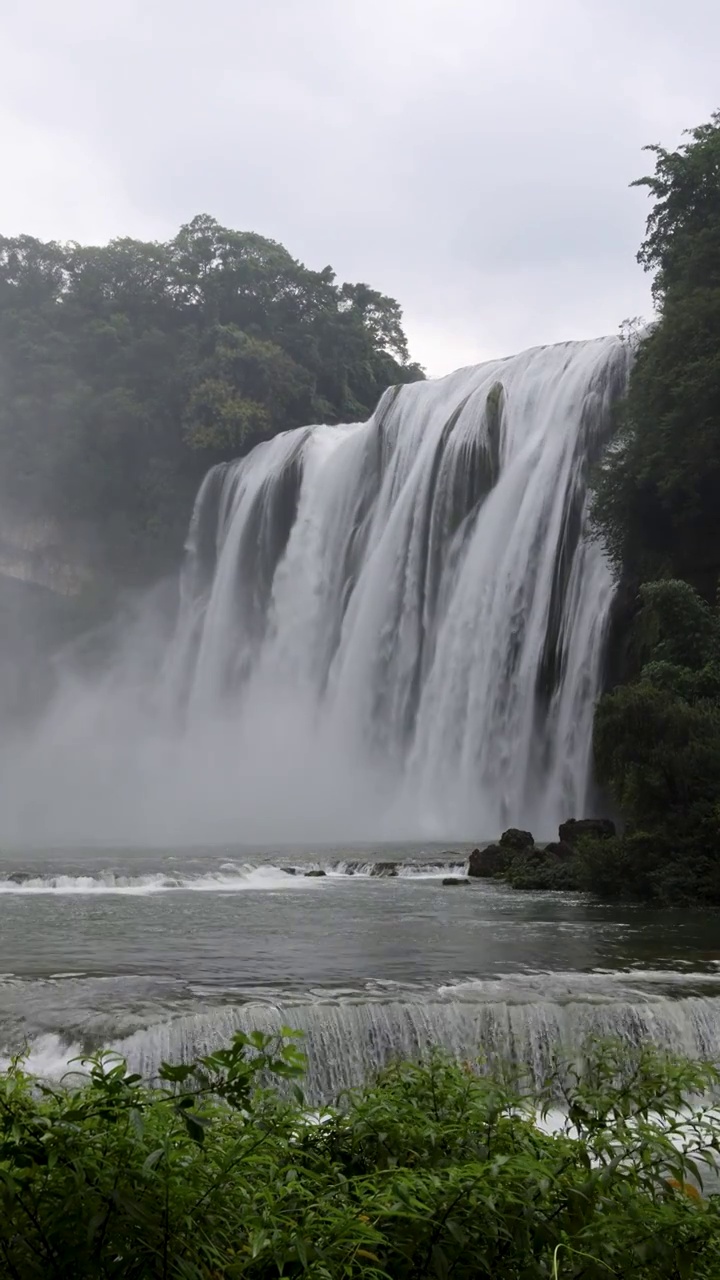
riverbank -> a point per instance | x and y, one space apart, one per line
661 869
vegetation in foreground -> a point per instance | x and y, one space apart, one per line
432 1171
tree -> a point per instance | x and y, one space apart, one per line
127 369
658 492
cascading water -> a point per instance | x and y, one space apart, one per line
412 605
387 630
347 1038
347 1042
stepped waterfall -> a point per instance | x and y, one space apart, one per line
537 1024
404 619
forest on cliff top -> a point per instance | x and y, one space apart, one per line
127 370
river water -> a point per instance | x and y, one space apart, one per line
164 954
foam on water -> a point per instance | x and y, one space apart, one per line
229 878
532 1023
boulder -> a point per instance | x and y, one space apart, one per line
316 874
448 880
560 849
289 871
484 863
384 869
583 828
517 841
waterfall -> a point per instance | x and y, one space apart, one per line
412 604
387 630
348 1041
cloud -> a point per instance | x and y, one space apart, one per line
470 157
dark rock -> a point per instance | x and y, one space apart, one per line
455 880
316 874
516 840
18 877
289 871
581 828
560 849
484 863
384 869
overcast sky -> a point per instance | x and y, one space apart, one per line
469 157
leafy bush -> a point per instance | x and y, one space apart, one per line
657 753
434 1170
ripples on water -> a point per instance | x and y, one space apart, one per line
165 955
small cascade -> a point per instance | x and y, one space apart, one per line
348 1040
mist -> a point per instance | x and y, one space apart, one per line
390 630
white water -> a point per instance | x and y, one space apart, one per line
347 1039
392 629
231 877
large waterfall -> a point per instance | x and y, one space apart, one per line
390 629
414 600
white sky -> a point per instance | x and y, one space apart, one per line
470 157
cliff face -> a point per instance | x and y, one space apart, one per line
38 552
44 584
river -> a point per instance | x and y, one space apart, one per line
163 954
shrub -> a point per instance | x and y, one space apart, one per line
433 1170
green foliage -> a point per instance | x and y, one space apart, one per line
657 752
126 370
658 492
436 1170
683 227
657 507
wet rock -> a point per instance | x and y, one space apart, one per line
583 828
18 877
289 871
517 840
484 863
316 874
448 880
384 869
560 849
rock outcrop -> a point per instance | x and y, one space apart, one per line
517 840
485 863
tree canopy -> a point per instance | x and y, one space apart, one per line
658 499
127 369
657 504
